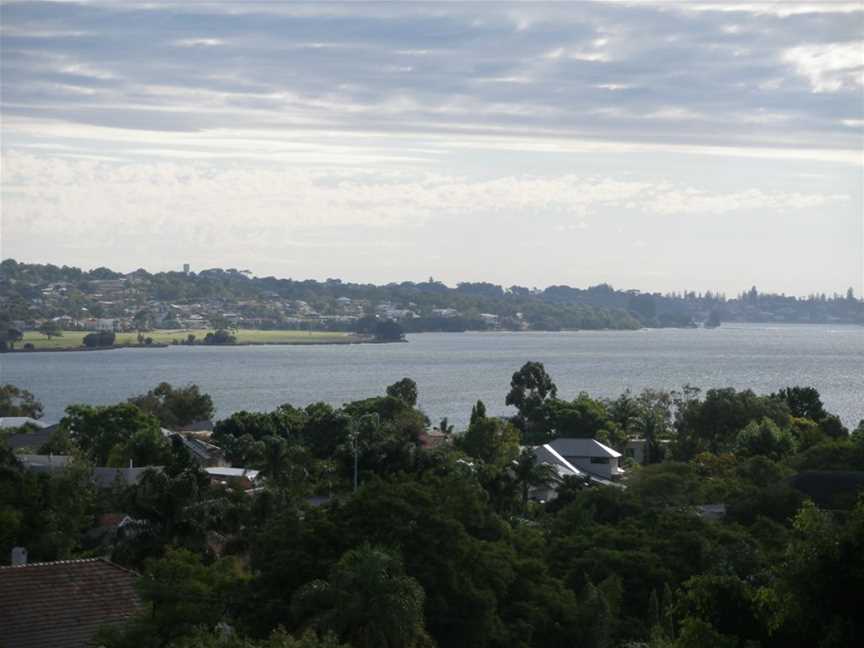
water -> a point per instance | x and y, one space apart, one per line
453 370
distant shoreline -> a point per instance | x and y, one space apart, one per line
343 341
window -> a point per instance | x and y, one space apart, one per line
599 460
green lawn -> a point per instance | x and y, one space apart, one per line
73 339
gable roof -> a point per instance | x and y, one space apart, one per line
582 448
62 604
33 440
546 454
18 421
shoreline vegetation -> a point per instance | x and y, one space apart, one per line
74 340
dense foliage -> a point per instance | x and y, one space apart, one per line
443 546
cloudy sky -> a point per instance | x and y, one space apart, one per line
653 145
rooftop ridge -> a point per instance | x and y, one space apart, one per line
74 561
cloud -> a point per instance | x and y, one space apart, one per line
688 75
831 67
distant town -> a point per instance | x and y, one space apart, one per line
42 302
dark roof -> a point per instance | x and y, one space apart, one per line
62 604
33 440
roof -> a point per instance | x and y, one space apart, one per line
18 421
233 472
46 461
62 604
105 477
583 448
546 454
33 440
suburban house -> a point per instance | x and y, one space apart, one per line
546 455
63 604
243 478
34 439
590 456
103 476
12 422
204 453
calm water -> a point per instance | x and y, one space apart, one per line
454 370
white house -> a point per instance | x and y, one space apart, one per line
547 456
590 456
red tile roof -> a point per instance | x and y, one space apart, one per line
62 604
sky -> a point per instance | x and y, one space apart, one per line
660 146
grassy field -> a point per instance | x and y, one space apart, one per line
74 339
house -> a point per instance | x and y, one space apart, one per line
590 456
63 604
32 440
243 478
206 454
10 422
103 476
430 439
546 455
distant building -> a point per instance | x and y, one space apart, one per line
590 456
63 604
186 268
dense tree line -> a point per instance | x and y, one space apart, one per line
443 546
553 308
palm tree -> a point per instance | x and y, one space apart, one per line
444 428
529 472
367 600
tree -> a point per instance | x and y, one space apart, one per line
367 600
803 402
18 402
175 406
529 473
405 390
9 335
764 438
49 328
181 595
100 339
389 331
221 336
110 432
491 440
478 412
530 390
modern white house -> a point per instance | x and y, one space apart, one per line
590 456
560 468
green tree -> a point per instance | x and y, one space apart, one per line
103 432
405 390
803 402
49 328
15 401
491 440
367 600
389 331
175 406
530 390
764 438
529 473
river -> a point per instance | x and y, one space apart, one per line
453 370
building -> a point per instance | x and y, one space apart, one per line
63 604
243 478
560 468
11 422
590 456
